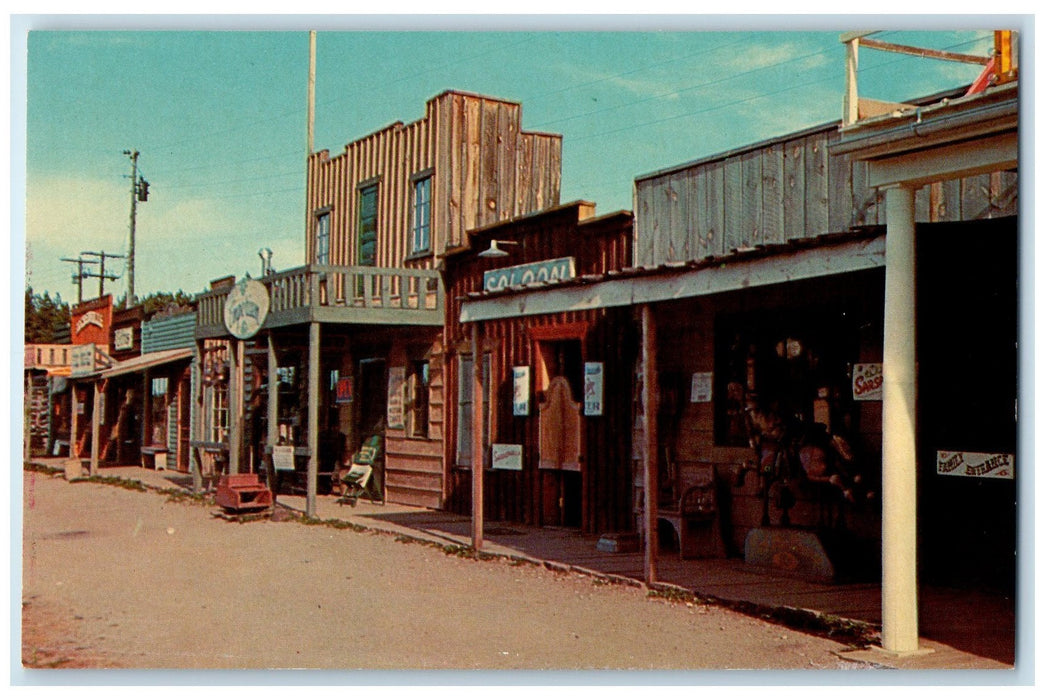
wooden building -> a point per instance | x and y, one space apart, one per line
762 280
555 436
351 345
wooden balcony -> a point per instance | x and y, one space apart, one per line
330 294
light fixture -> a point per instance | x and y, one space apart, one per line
266 261
494 251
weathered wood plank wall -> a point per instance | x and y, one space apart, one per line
484 167
783 189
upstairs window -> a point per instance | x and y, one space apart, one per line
421 216
367 249
323 238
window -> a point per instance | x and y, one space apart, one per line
417 387
158 410
216 401
464 406
323 238
367 249
421 216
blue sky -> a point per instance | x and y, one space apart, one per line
219 119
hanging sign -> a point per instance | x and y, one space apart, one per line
506 457
700 387
345 390
283 458
593 388
246 308
81 360
520 391
396 384
529 273
981 464
867 381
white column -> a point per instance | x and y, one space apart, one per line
96 426
312 478
899 444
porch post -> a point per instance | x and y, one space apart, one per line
96 425
236 407
477 440
272 416
313 420
196 426
73 420
899 444
650 403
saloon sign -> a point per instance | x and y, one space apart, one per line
529 273
246 308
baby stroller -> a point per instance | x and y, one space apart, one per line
365 476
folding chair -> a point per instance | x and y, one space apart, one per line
364 477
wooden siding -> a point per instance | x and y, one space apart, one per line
169 333
484 169
598 245
783 189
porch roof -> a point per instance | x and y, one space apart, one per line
798 259
147 361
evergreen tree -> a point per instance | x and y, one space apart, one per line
44 317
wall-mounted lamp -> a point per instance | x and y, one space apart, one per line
494 251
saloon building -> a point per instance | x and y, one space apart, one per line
777 288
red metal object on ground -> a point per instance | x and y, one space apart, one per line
242 493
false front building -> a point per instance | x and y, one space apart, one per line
351 345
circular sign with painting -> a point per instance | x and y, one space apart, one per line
246 308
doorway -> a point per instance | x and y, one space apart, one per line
561 378
372 394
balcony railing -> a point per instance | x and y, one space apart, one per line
332 294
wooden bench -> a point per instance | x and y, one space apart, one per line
695 517
149 453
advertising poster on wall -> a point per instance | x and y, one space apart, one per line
506 457
867 381
520 391
345 390
396 384
593 388
700 388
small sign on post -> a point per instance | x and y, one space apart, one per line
283 458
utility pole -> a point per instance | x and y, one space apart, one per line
101 272
139 193
78 277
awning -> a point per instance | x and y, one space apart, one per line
799 259
152 359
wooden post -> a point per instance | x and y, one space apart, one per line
650 404
313 420
74 420
899 437
477 440
851 103
273 405
236 407
96 426
196 429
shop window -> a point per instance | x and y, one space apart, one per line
417 387
790 368
216 401
465 384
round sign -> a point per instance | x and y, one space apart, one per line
246 308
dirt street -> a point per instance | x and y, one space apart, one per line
115 578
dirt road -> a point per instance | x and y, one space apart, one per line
114 578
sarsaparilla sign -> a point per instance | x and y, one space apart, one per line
985 465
